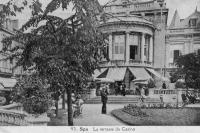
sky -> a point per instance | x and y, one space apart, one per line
184 7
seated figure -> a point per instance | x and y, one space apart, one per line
77 106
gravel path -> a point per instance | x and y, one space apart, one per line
92 116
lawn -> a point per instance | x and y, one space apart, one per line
161 117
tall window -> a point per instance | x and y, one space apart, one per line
119 46
177 53
198 51
134 50
146 47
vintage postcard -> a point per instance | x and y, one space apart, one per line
100 65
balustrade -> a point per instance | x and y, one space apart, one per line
14 118
165 92
124 63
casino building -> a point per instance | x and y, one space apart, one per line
183 37
136 32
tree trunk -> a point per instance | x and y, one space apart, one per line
69 107
56 104
63 100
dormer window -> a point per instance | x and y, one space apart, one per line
125 3
193 22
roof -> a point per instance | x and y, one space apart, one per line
184 23
129 19
120 2
175 20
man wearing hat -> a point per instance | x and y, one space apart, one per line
104 99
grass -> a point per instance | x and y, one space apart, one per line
60 120
162 117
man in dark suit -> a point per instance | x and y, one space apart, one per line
104 99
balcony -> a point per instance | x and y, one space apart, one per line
119 63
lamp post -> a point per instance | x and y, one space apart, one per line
161 3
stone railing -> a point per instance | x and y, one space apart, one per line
165 92
12 118
13 115
14 106
124 63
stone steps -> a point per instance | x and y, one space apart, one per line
121 100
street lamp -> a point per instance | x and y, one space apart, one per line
161 3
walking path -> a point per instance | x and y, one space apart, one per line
92 116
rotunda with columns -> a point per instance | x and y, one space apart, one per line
133 38
130 49
130 40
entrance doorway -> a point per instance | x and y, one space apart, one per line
133 52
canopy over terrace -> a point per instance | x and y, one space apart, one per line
118 74
158 75
6 84
140 73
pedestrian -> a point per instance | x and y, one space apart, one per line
104 99
116 88
119 91
123 89
164 85
137 90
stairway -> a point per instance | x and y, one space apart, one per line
121 100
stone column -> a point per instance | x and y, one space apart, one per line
110 46
142 47
151 49
127 46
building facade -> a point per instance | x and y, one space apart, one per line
6 65
183 37
7 73
136 34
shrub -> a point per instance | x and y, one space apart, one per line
180 85
151 84
31 92
134 111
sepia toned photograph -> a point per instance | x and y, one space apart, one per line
120 63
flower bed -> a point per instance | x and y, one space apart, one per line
158 116
153 106
134 111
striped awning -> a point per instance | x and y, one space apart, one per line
116 74
140 73
98 72
158 75
8 82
